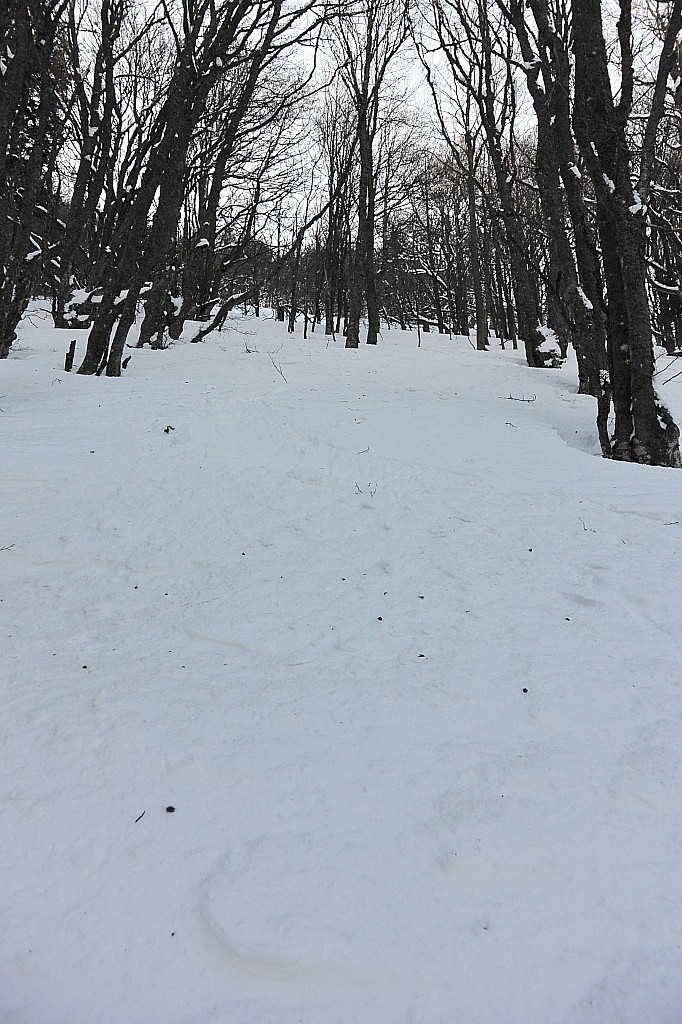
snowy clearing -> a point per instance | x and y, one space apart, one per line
402 653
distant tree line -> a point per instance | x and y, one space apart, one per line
506 170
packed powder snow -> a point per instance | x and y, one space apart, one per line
338 688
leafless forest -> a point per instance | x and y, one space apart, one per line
510 169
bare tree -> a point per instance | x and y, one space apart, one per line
644 429
238 41
233 181
29 35
93 48
574 291
368 37
337 142
479 52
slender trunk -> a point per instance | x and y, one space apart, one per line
293 307
474 254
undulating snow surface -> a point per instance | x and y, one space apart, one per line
404 655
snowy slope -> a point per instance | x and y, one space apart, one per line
402 653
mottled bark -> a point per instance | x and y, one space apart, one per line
27 106
645 431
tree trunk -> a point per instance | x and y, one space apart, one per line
474 254
645 430
27 108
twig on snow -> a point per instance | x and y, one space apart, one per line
277 366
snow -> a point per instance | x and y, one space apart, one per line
672 289
402 653
79 296
609 183
638 206
551 342
36 252
584 299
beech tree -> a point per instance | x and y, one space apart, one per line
234 179
479 55
235 41
368 36
574 288
644 429
29 34
158 166
337 144
92 49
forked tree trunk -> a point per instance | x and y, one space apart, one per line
645 430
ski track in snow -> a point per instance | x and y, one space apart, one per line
402 653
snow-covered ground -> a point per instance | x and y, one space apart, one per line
402 653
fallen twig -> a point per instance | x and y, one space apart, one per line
277 366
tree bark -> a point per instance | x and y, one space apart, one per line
645 430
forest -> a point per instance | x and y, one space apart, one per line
340 660
508 170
